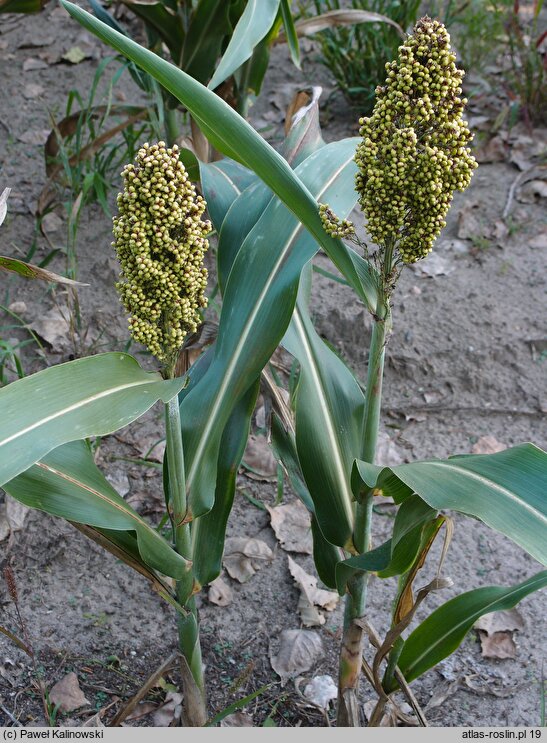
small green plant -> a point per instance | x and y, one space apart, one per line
357 54
411 156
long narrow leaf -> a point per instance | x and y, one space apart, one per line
67 483
233 136
93 396
253 25
329 422
444 630
258 303
506 490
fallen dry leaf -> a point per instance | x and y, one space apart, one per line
258 461
170 712
4 196
532 192
434 265
494 151
67 695
119 481
311 597
237 720
142 709
507 620
292 527
526 150
12 516
498 645
470 224
220 592
243 557
487 445
52 327
321 691
496 633
299 650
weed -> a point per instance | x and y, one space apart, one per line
356 55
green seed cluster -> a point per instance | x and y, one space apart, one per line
160 243
333 225
413 154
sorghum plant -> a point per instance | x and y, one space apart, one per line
270 224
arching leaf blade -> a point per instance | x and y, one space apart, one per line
67 483
93 396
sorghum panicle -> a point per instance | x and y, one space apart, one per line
334 225
413 152
160 243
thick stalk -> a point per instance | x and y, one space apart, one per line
188 626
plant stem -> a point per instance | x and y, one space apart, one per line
188 626
172 130
352 641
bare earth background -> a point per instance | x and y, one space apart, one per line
466 360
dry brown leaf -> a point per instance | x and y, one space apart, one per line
299 650
292 527
237 720
497 645
220 593
470 224
12 516
487 445
387 720
494 151
527 149
321 691
311 597
496 633
67 695
119 481
243 557
434 265
507 620
258 461
4 196
532 192
52 326
142 709
170 712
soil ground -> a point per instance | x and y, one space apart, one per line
466 360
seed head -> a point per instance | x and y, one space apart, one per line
160 242
413 154
333 225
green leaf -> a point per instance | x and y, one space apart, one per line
253 25
30 271
505 490
290 32
257 307
21 6
329 421
209 531
370 562
222 183
165 23
231 134
94 396
67 483
209 26
443 631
